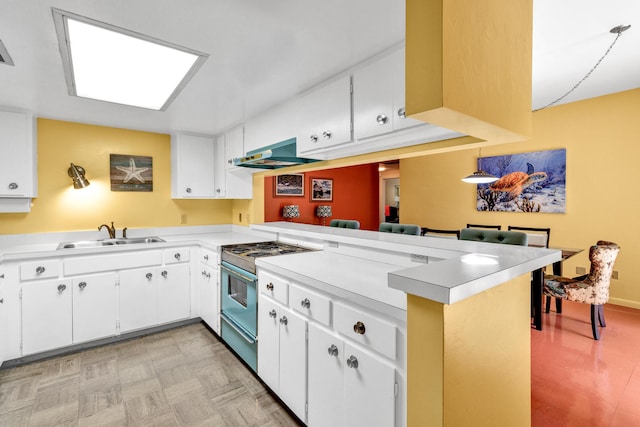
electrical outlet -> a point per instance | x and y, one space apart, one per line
614 275
581 270
183 219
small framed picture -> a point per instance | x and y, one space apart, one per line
289 185
321 189
131 173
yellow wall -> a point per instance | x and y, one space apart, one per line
601 138
61 208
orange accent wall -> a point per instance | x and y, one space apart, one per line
355 196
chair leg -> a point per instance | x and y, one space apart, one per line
601 315
559 305
548 304
594 321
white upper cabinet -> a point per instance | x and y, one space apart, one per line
397 59
192 166
233 146
232 182
18 180
325 117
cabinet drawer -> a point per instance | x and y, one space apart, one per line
111 262
175 255
209 257
274 287
311 304
44 269
365 329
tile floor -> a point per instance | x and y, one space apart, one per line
181 377
577 381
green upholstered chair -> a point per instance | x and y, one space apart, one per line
592 288
494 236
390 227
345 223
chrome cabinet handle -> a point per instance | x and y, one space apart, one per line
305 303
206 257
273 314
401 113
149 276
352 362
82 285
313 138
333 350
13 186
188 190
206 274
269 286
283 320
359 328
61 288
40 269
381 119
177 256
164 274
326 134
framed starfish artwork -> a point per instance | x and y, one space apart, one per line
131 173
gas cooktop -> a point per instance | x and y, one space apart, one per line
243 255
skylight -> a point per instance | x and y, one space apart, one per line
112 64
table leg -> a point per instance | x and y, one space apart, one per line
536 297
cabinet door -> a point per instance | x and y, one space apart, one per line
138 301
16 155
192 166
46 316
326 366
95 307
220 167
293 362
398 79
208 283
269 342
174 298
325 116
373 99
369 389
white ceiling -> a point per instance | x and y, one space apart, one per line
262 52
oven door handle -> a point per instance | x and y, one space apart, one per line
238 274
238 329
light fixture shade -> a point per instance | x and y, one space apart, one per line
77 174
323 211
480 177
291 211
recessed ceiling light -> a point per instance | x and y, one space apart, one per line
112 64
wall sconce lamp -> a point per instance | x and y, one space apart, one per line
77 174
290 212
324 212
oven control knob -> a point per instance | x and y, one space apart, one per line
359 328
333 350
283 320
269 286
273 314
352 362
305 303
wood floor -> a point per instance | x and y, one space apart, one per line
181 377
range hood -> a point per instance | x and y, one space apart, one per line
279 155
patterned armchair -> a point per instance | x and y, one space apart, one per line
592 288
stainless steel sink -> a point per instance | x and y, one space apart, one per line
108 242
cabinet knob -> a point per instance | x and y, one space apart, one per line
401 113
352 362
164 273
333 350
269 286
13 186
305 303
230 161
149 276
382 119
188 190
218 190
313 138
40 269
1 300
2 276
82 285
61 288
273 314
359 328
206 257
177 256
283 320
326 134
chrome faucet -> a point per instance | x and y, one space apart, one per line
111 230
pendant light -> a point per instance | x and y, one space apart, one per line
480 176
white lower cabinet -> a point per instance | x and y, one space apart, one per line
173 293
208 284
95 306
46 316
282 353
138 308
348 386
